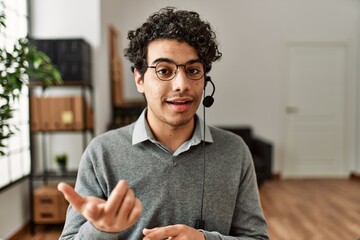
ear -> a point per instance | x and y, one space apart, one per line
139 81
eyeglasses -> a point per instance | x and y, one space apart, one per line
166 70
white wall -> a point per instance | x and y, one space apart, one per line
250 78
357 142
14 209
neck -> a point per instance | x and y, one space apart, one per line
172 136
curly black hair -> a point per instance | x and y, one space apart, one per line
169 23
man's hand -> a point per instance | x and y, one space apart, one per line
119 212
173 232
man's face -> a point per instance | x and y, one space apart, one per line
173 102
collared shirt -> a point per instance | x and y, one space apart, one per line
142 132
172 189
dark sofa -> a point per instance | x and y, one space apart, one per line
260 149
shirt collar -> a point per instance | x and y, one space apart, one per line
142 131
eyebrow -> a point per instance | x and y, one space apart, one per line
162 60
172 61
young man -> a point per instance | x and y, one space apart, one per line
167 176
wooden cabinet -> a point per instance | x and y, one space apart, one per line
49 205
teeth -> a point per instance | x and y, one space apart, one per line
179 101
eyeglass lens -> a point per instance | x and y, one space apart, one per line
167 70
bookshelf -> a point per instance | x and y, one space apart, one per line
62 111
54 110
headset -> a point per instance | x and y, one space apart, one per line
207 102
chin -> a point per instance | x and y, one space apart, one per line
179 122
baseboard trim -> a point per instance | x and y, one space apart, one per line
352 176
355 176
21 233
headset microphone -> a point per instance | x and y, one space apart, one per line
209 100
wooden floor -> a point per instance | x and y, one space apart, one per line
295 210
312 209
42 232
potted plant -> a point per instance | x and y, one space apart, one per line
61 160
17 65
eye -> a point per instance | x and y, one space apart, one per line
163 71
193 70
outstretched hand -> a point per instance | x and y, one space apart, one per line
118 213
173 232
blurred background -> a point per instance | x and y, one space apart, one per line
289 73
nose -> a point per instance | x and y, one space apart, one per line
181 82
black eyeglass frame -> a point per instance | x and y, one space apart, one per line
177 67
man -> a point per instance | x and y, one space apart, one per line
167 176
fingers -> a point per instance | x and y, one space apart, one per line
121 210
90 207
127 207
116 198
71 196
127 204
93 208
173 232
162 232
122 203
136 212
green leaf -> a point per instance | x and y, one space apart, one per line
57 76
24 61
37 61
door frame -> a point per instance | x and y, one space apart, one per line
349 101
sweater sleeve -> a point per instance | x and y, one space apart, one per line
248 220
87 184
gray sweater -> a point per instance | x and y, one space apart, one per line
170 186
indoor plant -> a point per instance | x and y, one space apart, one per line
61 160
17 65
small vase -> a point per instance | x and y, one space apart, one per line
61 169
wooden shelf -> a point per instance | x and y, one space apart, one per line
54 175
65 83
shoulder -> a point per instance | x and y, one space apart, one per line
224 136
229 144
121 135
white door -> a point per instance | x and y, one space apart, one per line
315 110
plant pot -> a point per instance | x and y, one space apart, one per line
61 170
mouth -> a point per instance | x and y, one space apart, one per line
180 104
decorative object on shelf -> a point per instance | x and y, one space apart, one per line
16 65
61 160
71 55
60 113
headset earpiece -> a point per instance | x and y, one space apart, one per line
209 100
